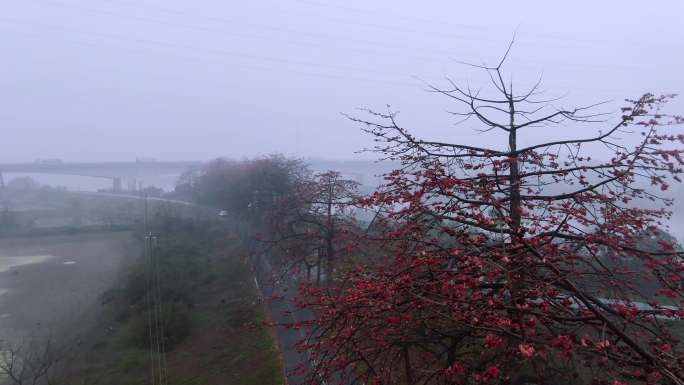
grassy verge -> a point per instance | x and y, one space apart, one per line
212 315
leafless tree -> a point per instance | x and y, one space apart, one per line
40 363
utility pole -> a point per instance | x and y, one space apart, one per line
155 314
5 206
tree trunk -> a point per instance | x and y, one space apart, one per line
407 366
329 256
318 271
515 208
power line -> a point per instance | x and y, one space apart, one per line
432 22
318 35
196 27
315 35
226 53
214 51
386 13
148 303
356 50
213 18
318 75
154 303
149 300
159 313
563 39
412 19
203 61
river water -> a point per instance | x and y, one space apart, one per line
7 262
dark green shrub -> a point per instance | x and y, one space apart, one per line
174 322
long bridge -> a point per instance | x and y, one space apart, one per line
114 171
364 172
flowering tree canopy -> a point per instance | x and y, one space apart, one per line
314 222
508 265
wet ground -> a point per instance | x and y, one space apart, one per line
50 286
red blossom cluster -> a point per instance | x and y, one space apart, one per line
518 265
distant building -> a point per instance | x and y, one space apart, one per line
132 185
48 161
145 160
116 185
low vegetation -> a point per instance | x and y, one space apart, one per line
211 317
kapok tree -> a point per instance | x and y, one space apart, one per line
496 265
314 223
247 188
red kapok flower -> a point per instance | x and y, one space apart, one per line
526 350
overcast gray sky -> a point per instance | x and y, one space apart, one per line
173 79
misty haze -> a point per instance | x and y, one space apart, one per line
327 192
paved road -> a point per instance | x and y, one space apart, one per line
135 197
283 312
